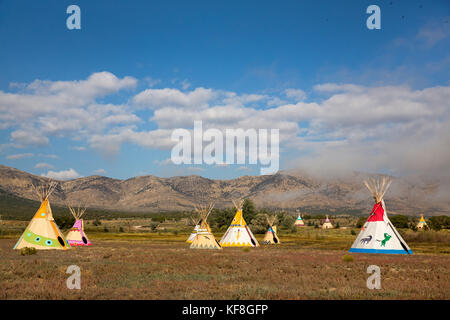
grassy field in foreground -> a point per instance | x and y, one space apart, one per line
152 266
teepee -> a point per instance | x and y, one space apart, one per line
271 236
204 239
194 232
76 235
299 222
422 224
238 233
378 235
327 224
42 231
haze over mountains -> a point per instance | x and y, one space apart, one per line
287 190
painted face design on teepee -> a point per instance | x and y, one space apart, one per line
238 233
42 231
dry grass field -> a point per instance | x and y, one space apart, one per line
308 265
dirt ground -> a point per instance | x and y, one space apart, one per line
148 269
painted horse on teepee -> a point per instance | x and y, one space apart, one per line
378 235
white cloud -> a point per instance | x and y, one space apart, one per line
29 137
51 156
360 127
79 148
100 171
62 175
43 165
19 156
335 87
64 109
157 98
433 32
297 94
164 162
195 169
185 84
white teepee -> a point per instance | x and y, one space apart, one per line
327 224
204 239
42 231
76 235
378 235
271 236
194 232
299 222
238 233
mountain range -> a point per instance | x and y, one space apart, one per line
286 190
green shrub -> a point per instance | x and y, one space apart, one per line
105 229
439 222
287 221
352 232
248 209
64 222
121 229
259 224
360 222
399 221
27 251
348 258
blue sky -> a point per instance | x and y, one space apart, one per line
299 66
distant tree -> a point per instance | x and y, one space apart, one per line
96 222
64 222
352 232
360 222
337 225
399 221
287 221
248 209
259 223
221 218
159 218
154 225
439 222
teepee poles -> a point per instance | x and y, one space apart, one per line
43 191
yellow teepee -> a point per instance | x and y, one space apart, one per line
42 231
204 239
238 233
422 224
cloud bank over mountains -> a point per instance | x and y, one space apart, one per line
392 129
